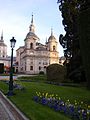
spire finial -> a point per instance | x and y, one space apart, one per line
51 31
2 35
32 18
32 27
46 39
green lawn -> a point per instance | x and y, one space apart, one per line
40 78
24 99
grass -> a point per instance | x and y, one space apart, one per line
6 74
24 99
33 78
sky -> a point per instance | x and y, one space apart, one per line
15 19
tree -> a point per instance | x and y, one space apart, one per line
76 42
70 42
84 35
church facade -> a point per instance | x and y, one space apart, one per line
34 56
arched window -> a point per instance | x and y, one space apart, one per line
54 48
31 45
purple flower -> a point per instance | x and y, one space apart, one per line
76 112
44 101
36 98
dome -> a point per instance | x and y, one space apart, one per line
31 34
51 38
2 44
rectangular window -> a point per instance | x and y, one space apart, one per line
39 67
25 67
39 62
31 67
31 62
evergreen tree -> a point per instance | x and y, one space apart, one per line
70 42
84 35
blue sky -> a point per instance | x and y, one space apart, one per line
15 18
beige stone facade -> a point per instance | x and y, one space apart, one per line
34 57
3 48
4 58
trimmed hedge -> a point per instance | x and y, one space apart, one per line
41 73
55 73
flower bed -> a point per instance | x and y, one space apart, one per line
76 110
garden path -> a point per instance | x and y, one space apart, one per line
8 111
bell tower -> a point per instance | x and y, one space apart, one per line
52 43
52 47
31 37
3 47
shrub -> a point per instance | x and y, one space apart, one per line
1 68
41 73
55 73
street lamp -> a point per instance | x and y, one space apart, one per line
10 93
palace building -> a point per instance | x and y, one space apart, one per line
34 56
